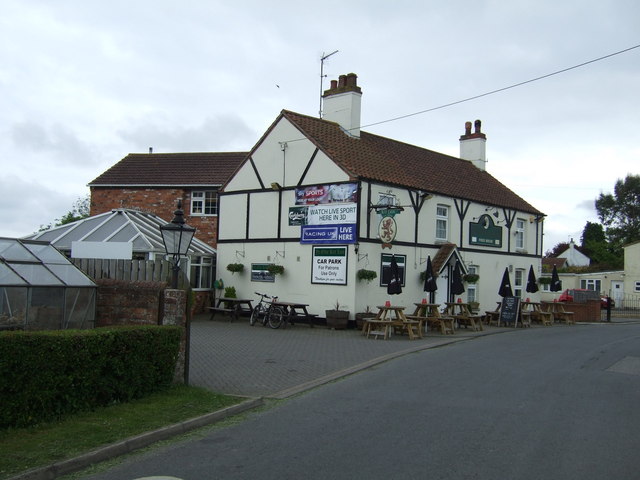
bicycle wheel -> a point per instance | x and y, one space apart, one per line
258 311
276 317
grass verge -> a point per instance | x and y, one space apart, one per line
26 448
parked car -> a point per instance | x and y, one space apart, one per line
581 294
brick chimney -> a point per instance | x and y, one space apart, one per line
342 103
473 146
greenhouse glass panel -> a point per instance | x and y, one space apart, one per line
70 275
35 274
47 254
9 277
10 250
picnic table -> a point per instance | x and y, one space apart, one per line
391 317
428 314
535 312
558 312
295 310
461 312
233 306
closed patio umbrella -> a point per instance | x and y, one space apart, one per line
556 284
532 285
505 285
394 287
429 279
457 287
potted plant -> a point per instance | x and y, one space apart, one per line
274 269
336 318
229 292
471 277
235 267
368 275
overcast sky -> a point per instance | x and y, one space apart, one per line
83 83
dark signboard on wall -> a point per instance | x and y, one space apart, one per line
485 233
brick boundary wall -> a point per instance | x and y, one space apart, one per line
584 312
144 303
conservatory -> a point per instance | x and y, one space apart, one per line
41 290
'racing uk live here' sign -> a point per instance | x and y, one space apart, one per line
328 234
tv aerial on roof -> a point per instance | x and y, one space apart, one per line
322 75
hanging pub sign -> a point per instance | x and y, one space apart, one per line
324 194
329 265
387 231
485 232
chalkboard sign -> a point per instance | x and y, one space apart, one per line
509 310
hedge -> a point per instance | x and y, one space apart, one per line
47 374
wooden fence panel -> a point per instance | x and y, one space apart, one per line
129 270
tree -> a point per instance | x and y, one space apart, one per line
592 232
620 212
557 250
79 211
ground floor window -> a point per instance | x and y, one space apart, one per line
590 284
472 292
201 272
518 282
385 268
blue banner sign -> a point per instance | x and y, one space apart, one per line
319 234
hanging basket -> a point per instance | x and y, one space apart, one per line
275 269
235 267
368 275
471 277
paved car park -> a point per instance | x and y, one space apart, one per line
238 359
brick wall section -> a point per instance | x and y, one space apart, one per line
584 312
128 303
159 201
175 313
143 303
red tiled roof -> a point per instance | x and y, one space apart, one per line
381 159
551 261
172 169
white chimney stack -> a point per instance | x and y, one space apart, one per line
473 146
342 103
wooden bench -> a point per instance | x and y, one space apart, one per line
378 328
309 318
566 316
473 321
492 317
525 319
545 318
444 324
231 311
412 327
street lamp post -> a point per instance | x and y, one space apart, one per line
177 236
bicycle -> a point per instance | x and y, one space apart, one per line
266 312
